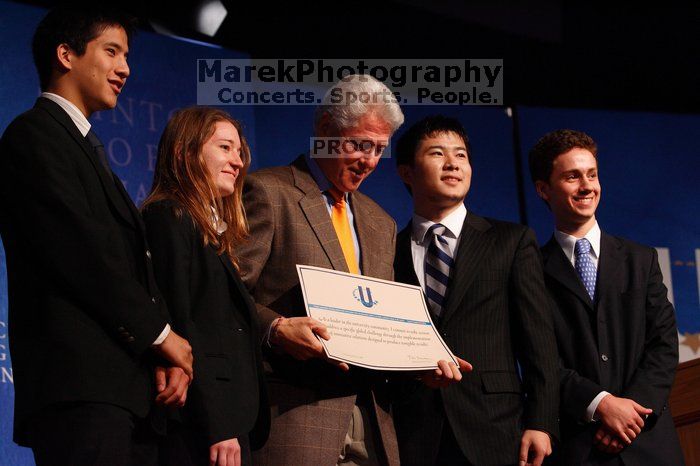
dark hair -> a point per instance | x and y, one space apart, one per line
554 144
74 26
408 143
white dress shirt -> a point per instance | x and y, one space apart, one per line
69 107
568 245
419 243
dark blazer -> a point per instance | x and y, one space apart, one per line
83 304
496 315
312 401
625 343
211 308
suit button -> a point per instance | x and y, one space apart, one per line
130 339
604 357
121 329
148 253
153 300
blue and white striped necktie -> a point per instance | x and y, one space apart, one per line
438 263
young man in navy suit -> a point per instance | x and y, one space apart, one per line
86 317
615 327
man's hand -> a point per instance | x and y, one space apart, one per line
622 417
172 384
297 336
178 351
446 373
607 442
534 446
225 453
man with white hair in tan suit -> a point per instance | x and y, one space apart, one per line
310 212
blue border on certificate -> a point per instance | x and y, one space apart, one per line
429 321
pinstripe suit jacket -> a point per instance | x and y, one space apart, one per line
496 313
311 401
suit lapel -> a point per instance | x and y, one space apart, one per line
366 233
558 267
404 269
242 291
313 204
123 206
475 243
611 257
135 214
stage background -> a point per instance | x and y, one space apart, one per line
648 162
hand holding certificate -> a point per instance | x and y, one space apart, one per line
373 323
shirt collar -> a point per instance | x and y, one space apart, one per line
219 225
69 107
453 223
568 242
319 177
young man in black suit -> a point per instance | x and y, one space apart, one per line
86 319
615 327
483 280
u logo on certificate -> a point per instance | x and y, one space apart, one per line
359 295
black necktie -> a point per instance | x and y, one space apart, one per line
99 149
123 195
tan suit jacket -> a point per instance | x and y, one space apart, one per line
311 401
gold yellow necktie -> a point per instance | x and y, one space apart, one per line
339 216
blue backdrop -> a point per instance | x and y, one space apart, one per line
648 162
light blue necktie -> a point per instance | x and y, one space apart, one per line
584 266
438 262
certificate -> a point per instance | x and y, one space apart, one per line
373 323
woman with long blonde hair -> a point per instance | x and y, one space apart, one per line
194 217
